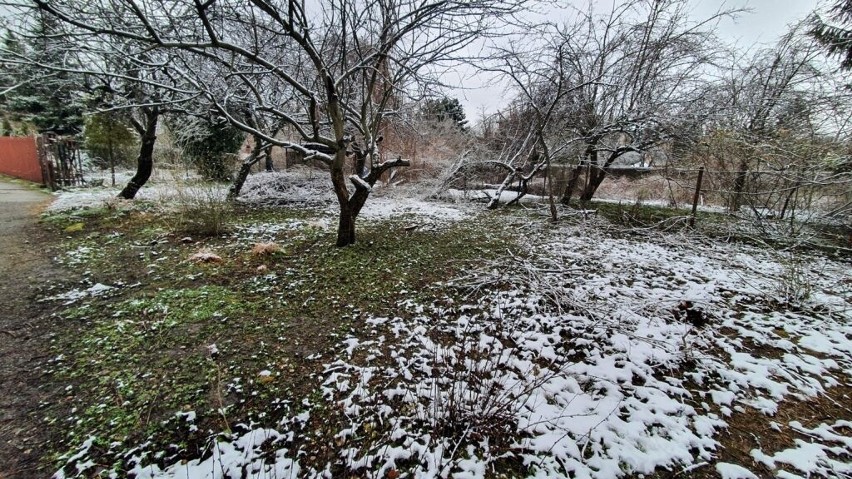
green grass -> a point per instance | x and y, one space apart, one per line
25 183
134 361
641 215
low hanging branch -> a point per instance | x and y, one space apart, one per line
517 174
513 171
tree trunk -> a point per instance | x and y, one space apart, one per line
357 202
790 196
268 163
245 169
572 185
590 157
739 185
345 227
522 191
240 178
145 161
111 160
361 165
596 177
549 185
495 201
346 224
346 221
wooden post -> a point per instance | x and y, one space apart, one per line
696 197
47 171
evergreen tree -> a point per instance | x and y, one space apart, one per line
6 128
108 136
836 38
446 109
49 99
209 146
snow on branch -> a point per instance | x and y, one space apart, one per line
360 183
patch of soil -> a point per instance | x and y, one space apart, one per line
25 331
750 429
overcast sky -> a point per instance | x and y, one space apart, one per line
767 21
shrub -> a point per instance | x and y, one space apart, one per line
108 139
211 148
203 211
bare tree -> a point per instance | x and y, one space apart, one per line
341 63
535 72
639 70
114 73
782 119
761 91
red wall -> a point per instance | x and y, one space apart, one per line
19 158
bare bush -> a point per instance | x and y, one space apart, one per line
202 210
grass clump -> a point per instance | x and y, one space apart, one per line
203 211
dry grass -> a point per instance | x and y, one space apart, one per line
205 256
265 249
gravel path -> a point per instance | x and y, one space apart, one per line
24 330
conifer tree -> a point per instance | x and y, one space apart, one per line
836 37
50 99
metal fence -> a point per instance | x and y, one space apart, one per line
797 196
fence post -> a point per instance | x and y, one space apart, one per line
696 197
43 161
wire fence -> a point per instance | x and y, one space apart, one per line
794 193
794 196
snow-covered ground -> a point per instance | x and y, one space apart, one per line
297 187
301 187
162 187
587 354
582 359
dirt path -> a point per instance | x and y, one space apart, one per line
24 330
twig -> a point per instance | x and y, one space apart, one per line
691 468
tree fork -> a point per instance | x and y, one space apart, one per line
596 177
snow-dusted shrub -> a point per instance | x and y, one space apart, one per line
202 210
478 384
794 285
300 186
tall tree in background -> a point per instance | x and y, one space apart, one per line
445 109
640 70
835 35
108 136
52 101
772 89
209 145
